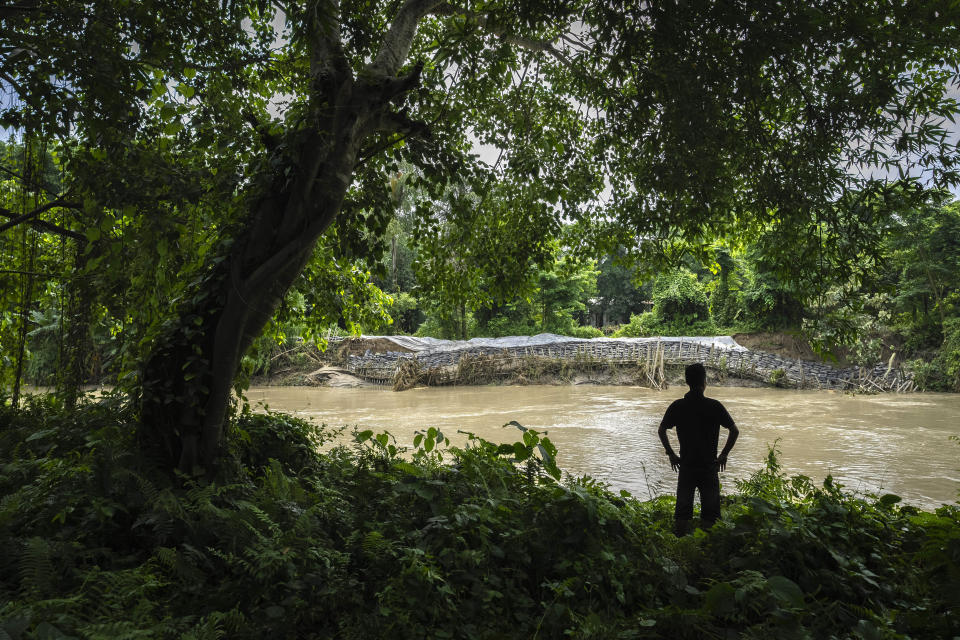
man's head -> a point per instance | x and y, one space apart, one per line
696 376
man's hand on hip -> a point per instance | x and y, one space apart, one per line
674 461
722 461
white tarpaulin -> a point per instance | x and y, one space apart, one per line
431 345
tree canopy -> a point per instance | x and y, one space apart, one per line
208 148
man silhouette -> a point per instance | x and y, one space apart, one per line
698 420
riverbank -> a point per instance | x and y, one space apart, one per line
485 542
869 442
403 362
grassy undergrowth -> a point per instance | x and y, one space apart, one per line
483 543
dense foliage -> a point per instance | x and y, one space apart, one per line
680 307
208 157
367 541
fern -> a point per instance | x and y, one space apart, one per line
119 630
259 516
217 625
166 557
37 573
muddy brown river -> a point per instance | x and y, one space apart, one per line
883 443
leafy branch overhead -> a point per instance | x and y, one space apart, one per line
239 136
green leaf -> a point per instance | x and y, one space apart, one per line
406 467
552 469
46 631
544 453
868 631
168 112
549 446
520 451
720 599
363 436
37 435
786 590
15 626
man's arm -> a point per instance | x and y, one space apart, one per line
662 432
732 435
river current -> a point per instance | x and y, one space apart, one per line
881 443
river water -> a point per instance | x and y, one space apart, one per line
881 443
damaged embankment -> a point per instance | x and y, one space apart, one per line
406 362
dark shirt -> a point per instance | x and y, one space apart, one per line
698 420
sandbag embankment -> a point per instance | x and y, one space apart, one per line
412 361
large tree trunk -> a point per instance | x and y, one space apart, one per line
186 381
188 378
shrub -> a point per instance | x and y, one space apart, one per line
640 326
679 308
372 541
646 325
504 325
778 377
405 312
943 372
679 299
586 332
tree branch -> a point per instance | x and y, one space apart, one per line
13 83
326 51
392 123
270 141
34 185
386 88
26 217
11 10
530 44
42 225
17 272
396 44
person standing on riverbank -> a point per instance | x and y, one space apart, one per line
698 420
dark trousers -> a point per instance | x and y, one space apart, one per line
708 482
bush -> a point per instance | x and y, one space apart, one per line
679 309
646 325
586 332
725 306
778 377
769 304
640 326
943 372
373 541
405 312
679 299
500 326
